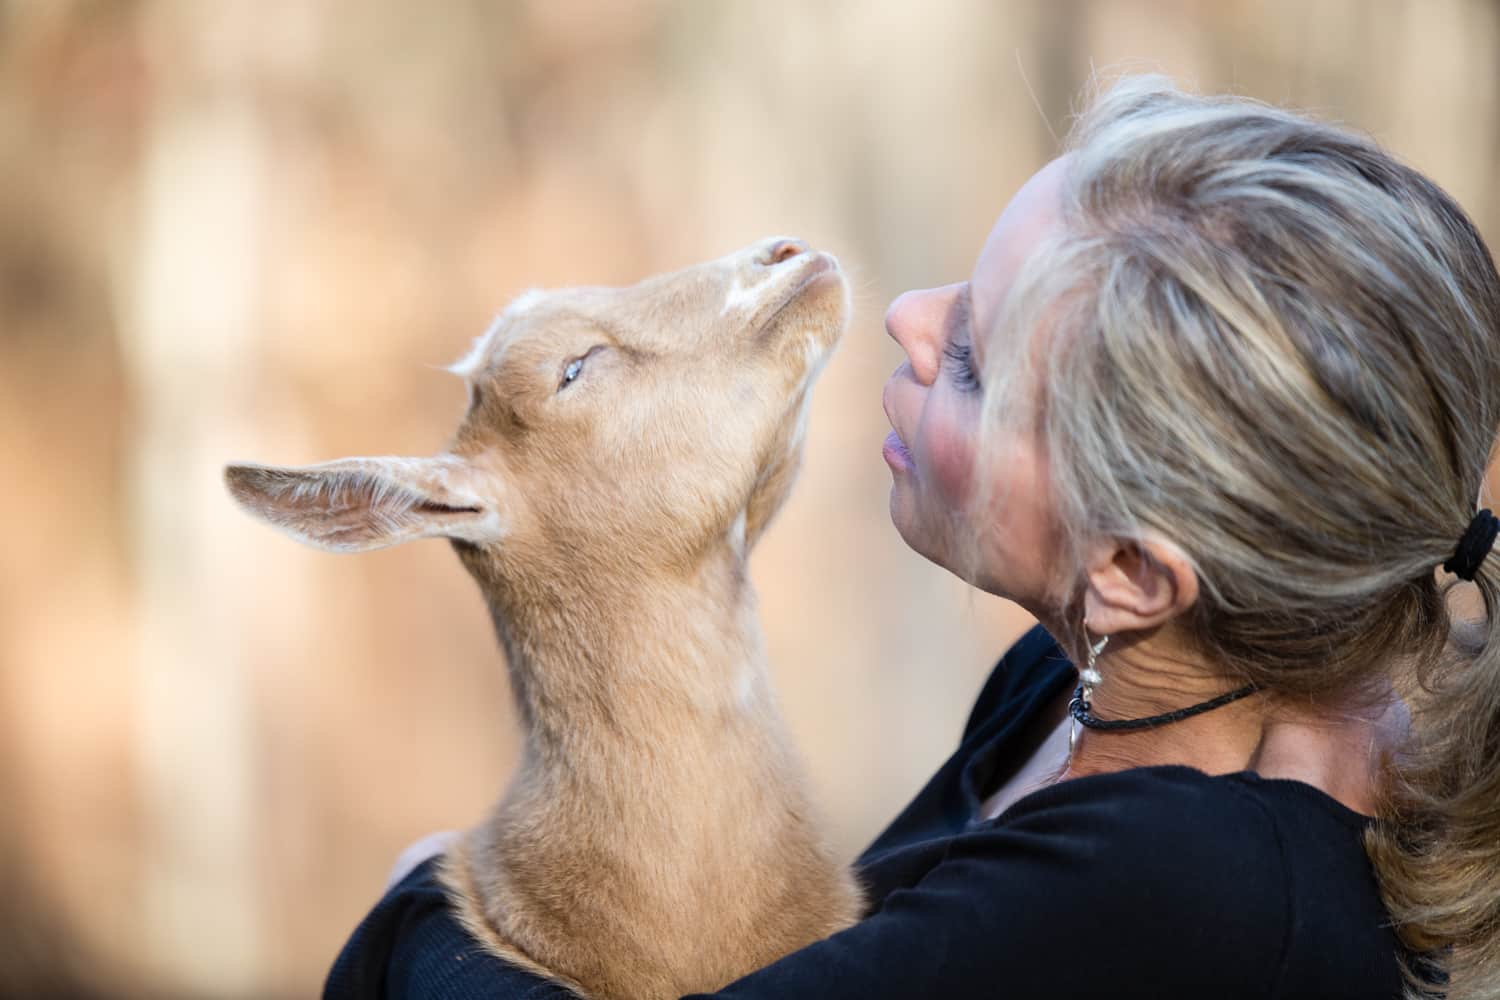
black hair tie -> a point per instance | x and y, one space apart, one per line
1474 545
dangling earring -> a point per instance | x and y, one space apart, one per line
1090 674
1090 678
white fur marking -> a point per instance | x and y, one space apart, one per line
470 363
814 355
800 431
524 301
745 689
737 535
473 361
739 297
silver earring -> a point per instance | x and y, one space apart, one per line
1090 678
1090 674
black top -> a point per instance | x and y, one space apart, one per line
1151 882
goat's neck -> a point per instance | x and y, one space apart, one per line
608 655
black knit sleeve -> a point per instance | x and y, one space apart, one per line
1145 883
411 947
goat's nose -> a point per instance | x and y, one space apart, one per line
779 251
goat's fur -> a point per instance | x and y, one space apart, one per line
658 837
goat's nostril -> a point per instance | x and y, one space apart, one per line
784 250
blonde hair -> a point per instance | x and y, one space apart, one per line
1272 343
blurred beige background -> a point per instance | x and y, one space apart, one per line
250 229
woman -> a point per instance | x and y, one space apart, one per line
1213 406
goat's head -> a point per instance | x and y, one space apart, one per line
620 426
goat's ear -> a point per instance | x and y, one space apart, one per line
355 504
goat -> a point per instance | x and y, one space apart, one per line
623 451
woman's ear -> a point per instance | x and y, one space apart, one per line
356 504
1136 585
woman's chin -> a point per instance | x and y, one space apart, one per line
910 528
901 514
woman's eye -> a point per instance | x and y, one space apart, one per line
962 366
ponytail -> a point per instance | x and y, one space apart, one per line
1436 848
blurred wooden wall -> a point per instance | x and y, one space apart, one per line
248 230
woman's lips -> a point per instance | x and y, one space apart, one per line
895 452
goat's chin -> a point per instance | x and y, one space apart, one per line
816 308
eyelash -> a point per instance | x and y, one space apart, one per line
964 375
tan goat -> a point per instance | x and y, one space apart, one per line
623 450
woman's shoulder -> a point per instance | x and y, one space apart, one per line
1154 822
1172 817
1158 881
1172 854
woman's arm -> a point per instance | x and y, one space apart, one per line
411 947
1120 885
1138 883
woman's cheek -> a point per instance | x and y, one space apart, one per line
952 458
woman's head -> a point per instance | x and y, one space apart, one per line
934 402
1248 363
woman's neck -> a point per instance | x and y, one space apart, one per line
1332 746
1145 675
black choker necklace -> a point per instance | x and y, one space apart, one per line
1079 709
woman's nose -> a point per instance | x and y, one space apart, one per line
915 321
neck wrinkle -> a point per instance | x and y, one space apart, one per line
1220 741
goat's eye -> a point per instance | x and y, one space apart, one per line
574 368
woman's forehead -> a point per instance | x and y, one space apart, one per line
1030 215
